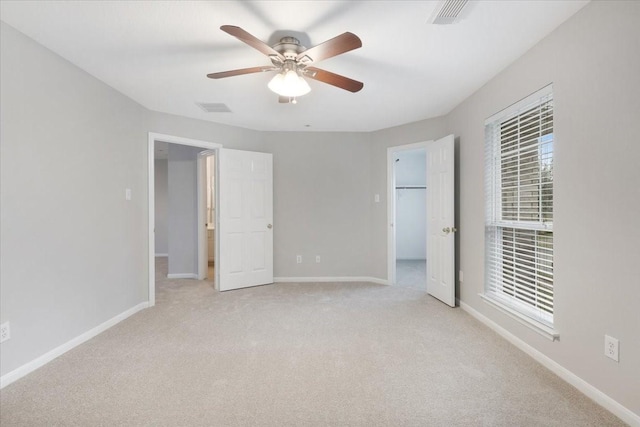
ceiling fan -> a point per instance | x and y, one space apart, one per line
292 61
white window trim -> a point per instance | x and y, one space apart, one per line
544 330
523 225
531 99
493 299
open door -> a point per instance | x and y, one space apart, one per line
440 220
245 219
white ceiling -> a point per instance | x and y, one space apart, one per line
158 53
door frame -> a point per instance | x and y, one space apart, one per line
171 139
391 207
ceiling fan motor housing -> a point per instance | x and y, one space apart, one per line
289 47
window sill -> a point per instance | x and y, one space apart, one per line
538 327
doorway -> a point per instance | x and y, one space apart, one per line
168 139
243 238
207 202
410 171
436 233
210 188
408 213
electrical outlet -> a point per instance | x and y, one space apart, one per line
299 259
5 332
611 348
318 259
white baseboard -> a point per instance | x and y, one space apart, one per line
182 276
331 279
599 397
162 255
29 367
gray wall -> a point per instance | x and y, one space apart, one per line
182 212
411 224
593 62
411 167
73 249
161 189
411 206
322 203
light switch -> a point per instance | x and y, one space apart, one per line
127 193
376 198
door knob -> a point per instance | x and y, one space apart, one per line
269 226
446 230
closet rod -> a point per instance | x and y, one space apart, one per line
415 187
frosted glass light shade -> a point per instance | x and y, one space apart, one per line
289 84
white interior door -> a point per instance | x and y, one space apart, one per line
245 219
440 221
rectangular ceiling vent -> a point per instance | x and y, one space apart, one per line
213 107
449 12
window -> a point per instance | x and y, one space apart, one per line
519 202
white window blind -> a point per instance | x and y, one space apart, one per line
519 201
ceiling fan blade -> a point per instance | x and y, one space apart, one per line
240 72
335 46
333 79
252 41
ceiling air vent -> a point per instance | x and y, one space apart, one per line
449 11
213 107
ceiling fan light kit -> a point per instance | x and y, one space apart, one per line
292 61
289 83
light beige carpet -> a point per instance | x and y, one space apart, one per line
411 273
323 354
